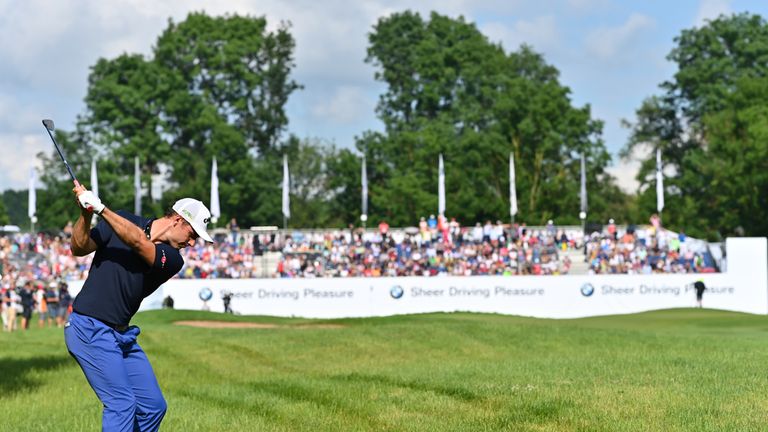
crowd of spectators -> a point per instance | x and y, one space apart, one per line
432 248
645 250
34 270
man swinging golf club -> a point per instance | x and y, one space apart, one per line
134 256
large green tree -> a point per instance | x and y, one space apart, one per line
451 91
213 86
5 218
708 123
15 202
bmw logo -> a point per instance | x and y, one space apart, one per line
205 294
396 292
587 289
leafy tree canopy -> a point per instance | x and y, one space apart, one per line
709 123
214 86
451 91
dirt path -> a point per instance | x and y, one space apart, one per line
253 325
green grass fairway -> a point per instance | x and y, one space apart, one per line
672 370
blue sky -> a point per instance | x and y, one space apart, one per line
610 53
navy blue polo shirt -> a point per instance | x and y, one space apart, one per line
119 278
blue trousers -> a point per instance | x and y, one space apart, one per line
119 372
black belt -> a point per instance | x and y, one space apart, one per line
117 327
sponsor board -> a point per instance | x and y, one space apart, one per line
743 288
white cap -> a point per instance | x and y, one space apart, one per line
194 212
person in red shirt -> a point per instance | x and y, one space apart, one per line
612 229
383 230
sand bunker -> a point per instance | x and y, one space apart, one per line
253 325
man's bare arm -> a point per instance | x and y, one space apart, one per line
131 235
82 244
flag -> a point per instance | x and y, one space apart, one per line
364 175
583 184
32 204
94 179
215 209
286 187
512 188
659 182
441 187
136 187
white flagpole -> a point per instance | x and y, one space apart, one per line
659 183
286 194
583 206
583 194
441 187
94 186
136 187
32 203
512 188
364 176
94 178
215 208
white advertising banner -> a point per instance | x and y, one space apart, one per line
744 288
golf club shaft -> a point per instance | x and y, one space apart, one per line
61 154
69 169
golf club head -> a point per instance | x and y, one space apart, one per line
48 123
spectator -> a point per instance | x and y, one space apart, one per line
65 304
27 303
10 301
700 288
383 230
42 306
226 296
51 295
612 229
234 230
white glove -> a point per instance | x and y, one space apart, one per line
89 200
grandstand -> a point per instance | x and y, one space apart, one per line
268 252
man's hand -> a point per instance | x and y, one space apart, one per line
89 200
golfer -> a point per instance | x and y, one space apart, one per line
134 256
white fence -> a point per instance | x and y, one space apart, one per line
743 288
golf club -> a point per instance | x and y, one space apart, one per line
48 123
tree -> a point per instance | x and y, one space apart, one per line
214 86
729 175
229 82
697 122
4 216
125 101
451 91
15 203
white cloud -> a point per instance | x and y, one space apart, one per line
711 9
347 105
625 170
608 42
541 33
625 173
14 171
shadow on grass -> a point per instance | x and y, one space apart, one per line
16 373
419 386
